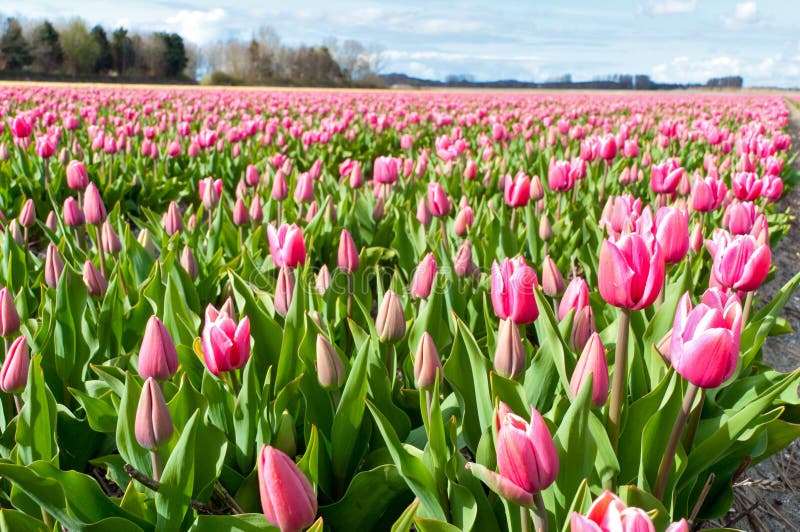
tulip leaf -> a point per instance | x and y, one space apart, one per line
759 325
245 418
406 519
348 421
411 468
432 525
232 523
550 338
175 491
264 329
36 423
13 520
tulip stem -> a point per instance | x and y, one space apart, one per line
102 253
674 439
539 513
155 459
748 304
694 421
444 235
18 402
235 386
48 520
524 521
620 372
390 361
428 401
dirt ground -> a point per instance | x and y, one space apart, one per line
767 496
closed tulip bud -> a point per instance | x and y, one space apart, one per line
545 229
517 190
9 318
552 280
15 232
5 154
705 339
14 374
740 216
191 223
356 179
323 281
189 263
109 239
379 210
251 176
93 208
348 254
256 211
385 169
209 191
426 363
304 189
512 291
240 214
592 362
438 202
582 328
52 221
157 355
227 308
285 439
424 275
631 272
423 213
173 221
73 215
331 373
391 320
287 497
286 245
678 526
226 344
27 216
280 190
526 453
672 233
509 355
576 296
95 283
537 190
146 241
153 426
696 238
284 291
53 266
464 220
463 263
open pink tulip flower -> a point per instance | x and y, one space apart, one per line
609 514
286 245
741 262
512 291
226 344
631 272
517 190
575 297
705 339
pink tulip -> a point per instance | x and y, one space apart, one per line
348 253
9 318
526 453
672 233
620 213
241 216
93 208
286 245
46 146
583 327
464 220
210 191
576 297
631 272
741 262
427 364
53 266
592 362
287 497
438 202
280 190
771 187
226 345
513 297
14 374
463 263
423 213
740 217
153 426
424 275
608 513
27 216
284 290
385 170
665 177
20 127
173 221
705 339
95 283
73 215
109 239
708 194
747 186
608 148
552 280
157 355
251 175
77 176
517 191
560 176
304 189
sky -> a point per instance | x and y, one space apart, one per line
669 40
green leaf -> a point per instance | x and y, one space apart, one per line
14 521
175 490
36 423
232 523
433 525
347 423
406 519
411 468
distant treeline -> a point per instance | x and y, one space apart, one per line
615 82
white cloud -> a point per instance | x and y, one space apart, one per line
199 26
776 69
420 70
671 7
744 14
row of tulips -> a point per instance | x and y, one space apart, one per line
233 310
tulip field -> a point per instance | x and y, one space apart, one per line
344 311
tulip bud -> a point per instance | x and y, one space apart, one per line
9 318
14 374
287 497
696 238
191 223
592 362
240 214
464 220
51 222
330 368
280 190
285 438
509 355
210 191
157 355
53 266
391 320
348 254
552 281
423 214
15 232
146 241
173 221
189 263
95 283
93 208
323 280
286 245
426 363
582 328
251 175
379 210
27 216
256 211
545 229
77 176
109 239
424 275
284 291
73 215
438 202
463 262
153 426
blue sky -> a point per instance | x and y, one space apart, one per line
670 40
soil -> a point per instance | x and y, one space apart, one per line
767 496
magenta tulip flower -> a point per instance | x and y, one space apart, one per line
438 202
672 233
286 245
631 272
741 262
592 362
385 170
226 344
517 191
575 297
14 374
348 253
513 297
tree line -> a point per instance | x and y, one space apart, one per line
74 49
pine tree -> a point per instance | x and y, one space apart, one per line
15 52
